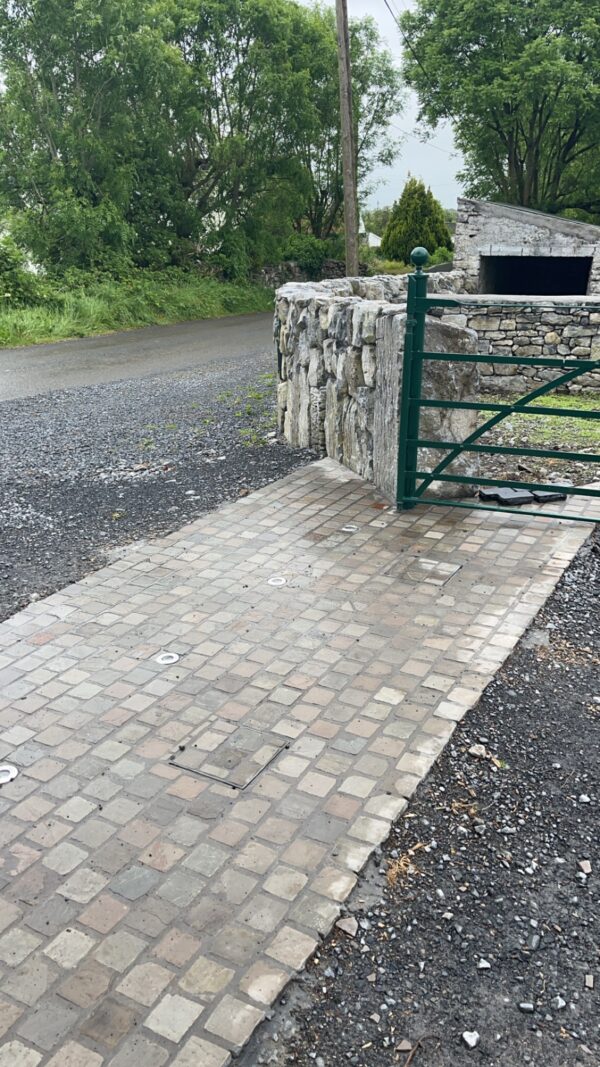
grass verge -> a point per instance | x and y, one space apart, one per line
145 299
548 431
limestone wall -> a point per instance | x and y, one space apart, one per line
340 351
552 330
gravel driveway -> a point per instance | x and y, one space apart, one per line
86 470
478 929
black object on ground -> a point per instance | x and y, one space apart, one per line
489 496
542 496
506 495
479 925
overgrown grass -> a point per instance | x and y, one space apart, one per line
388 266
548 430
145 299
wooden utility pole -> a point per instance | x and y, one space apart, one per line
348 145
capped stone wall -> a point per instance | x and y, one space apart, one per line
546 327
340 350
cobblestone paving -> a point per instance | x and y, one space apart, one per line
180 836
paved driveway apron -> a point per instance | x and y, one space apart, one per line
181 835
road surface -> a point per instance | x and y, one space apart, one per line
131 354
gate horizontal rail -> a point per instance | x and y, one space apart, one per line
409 494
536 361
509 409
509 450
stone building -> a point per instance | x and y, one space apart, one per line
513 250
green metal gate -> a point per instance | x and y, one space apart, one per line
412 482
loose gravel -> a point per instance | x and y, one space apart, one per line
477 930
86 470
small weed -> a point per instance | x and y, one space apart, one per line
404 866
252 437
461 807
170 426
147 443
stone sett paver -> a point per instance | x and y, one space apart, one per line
151 914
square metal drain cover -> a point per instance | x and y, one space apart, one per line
427 571
236 761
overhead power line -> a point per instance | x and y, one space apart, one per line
407 43
428 144
409 46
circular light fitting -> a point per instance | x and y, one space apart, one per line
166 658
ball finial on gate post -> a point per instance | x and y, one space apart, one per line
419 256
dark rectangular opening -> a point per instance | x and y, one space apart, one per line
535 275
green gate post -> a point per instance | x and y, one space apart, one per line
412 374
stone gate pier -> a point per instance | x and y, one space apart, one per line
340 355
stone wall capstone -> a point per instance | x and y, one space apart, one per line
546 326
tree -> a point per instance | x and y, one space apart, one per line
520 82
86 105
377 97
160 131
417 219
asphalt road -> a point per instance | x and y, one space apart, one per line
131 354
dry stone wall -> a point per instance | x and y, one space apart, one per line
544 328
340 349
547 326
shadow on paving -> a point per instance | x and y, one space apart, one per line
480 916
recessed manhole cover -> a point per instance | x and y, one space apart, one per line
427 571
236 761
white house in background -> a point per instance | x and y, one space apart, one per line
371 240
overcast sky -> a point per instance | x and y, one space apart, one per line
436 161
